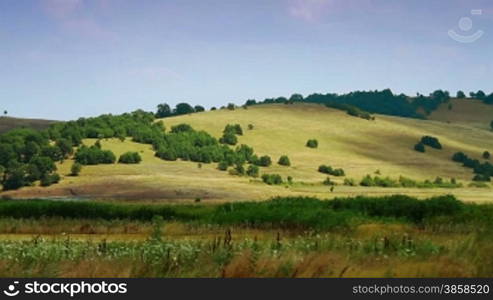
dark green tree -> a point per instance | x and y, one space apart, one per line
163 110
251 102
284 161
252 171
433 142
296 98
75 169
265 161
167 154
33 173
199 108
228 138
420 147
312 143
181 128
31 150
44 164
235 129
49 179
461 95
65 146
480 95
183 109
52 152
222 166
15 177
486 155
7 154
272 179
130 158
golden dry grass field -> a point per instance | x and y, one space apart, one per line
466 112
358 146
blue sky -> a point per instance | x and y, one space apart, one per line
62 59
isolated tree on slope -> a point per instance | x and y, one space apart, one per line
461 95
163 110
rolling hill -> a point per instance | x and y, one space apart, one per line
358 146
9 123
469 112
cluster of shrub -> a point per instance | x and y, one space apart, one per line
229 134
351 110
370 102
164 110
439 182
291 213
430 141
359 103
94 155
479 95
276 179
272 179
27 156
331 171
482 171
240 170
185 143
130 158
244 162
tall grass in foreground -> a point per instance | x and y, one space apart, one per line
324 255
395 236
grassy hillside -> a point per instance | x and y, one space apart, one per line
466 112
9 123
358 146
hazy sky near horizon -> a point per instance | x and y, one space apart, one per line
63 59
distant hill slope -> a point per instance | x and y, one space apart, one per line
9 123
358 146
464 111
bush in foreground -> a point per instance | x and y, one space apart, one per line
290 212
